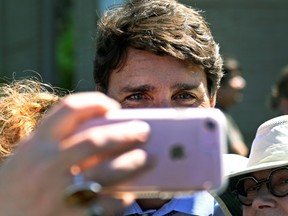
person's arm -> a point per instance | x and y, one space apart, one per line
235 138
34 178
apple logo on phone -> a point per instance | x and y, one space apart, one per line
177 152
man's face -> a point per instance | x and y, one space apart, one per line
148 80
266 204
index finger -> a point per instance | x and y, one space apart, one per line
75 109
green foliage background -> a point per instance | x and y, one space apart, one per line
65 43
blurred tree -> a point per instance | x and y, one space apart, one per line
65 43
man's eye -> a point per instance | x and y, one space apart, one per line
184 96
135 100
135 97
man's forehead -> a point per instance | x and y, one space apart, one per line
134 87
144 56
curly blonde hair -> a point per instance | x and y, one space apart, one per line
22 104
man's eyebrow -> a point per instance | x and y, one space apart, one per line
141 88
185 86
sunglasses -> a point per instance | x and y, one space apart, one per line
246 188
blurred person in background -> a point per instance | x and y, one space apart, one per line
279 93
229 94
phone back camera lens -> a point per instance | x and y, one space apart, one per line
210 125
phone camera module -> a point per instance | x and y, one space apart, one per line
210 125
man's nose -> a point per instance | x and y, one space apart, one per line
162 102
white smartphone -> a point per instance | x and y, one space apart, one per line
188 142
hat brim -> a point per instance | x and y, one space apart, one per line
259 167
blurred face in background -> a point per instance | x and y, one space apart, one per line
283 106
231 92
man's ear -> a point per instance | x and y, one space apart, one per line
213 100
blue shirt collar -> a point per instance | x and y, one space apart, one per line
200 203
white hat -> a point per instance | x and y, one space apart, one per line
234 163
269 150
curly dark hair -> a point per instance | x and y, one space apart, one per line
163 27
